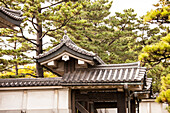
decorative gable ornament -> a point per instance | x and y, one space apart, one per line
65 57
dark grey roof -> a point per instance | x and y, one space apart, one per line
17 15
21 82
116 73
113 74
71 45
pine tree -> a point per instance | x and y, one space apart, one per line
15 49
158 54
44 19
121 33
86 28
109 38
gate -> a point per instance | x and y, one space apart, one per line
88 101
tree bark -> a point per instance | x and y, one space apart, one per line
39 48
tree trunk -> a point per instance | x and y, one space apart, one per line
16 69
15 57
39 68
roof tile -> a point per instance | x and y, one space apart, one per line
103 74
29 82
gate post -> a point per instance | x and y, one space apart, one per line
133 105
121 102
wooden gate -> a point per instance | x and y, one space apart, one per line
88 101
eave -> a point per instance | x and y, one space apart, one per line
64 50
67 46
10 18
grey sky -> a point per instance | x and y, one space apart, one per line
140 6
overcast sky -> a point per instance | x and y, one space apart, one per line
140 6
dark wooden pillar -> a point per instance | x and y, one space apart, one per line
133 105
73 103
88 106
121 102
137 106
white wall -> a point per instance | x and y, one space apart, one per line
150 106
53 100
35 101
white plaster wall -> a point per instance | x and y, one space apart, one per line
40 99
63 101
150 106
11 100
35 101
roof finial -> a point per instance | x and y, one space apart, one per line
65 32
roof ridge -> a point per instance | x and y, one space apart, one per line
137 64
66 39
69 43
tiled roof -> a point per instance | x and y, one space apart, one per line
71 45
106 74
29 82
17 15
99 75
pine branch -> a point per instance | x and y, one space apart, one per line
27 38
6 68
52 5
4 4
33 24
7 44
16 36
47 43
11 36
29 74
27 68
111 41
158 61
51 70
65 22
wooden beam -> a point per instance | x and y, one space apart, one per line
97 96
81 108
